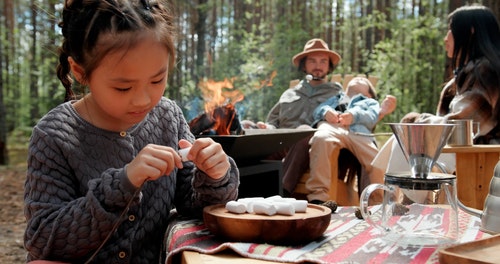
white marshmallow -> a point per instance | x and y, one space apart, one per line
275 198
183 153
284 208
236 207
300 205
263 207
269 206
249 202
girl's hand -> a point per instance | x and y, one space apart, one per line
152 162
209 157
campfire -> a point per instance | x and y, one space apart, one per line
222 120
220 116
220 97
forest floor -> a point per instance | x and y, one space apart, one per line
12 221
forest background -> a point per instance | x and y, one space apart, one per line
246 45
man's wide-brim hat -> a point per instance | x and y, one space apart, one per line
316 45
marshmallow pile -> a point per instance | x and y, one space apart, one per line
267 206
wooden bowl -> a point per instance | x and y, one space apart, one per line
299 228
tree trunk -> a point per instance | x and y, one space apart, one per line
52 49
34 108
201 32
3 129
8 14
368 34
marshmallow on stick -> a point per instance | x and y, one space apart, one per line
183 153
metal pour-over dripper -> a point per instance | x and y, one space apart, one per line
421 144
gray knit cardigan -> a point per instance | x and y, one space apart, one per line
76 188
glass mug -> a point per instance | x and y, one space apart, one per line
414 211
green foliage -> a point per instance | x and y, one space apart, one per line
252 47
410 65
253 62
190 99
248 64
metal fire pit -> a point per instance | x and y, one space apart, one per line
258 144
259 177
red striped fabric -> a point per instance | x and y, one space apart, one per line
346 240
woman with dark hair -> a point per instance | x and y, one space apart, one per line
473 44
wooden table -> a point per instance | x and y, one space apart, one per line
192 257
474 169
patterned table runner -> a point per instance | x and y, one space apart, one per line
346 240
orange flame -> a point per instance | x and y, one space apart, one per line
220 114
216 94
269 81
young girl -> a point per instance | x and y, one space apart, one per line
104 171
